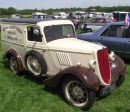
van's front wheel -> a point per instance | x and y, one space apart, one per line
36 64
33 65
77 94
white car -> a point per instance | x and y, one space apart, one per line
16 16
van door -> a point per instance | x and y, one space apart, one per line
35 41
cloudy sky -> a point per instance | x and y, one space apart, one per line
46 4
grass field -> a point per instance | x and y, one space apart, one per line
23 94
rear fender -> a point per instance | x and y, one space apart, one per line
86 76
14 53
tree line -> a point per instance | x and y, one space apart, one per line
12 10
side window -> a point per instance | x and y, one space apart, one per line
34 34
115 31
67 30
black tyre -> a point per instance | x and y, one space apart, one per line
89 30
36 64
120 80
77 94
13 64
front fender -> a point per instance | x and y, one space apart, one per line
86 76
118 68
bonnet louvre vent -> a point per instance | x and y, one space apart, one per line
63 58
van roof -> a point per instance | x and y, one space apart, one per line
26 20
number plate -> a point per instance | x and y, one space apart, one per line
106 90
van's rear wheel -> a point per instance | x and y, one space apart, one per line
13 65
77 94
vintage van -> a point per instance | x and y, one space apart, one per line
49 48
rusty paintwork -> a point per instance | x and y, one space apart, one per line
118 68
13 52
87 76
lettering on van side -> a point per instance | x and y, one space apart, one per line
12 28
12 33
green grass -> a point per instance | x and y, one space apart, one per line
22 94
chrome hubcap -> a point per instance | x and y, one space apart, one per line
77 93
33 65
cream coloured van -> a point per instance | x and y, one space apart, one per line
49 48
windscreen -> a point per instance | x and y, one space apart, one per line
58 31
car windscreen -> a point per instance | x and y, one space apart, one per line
58 31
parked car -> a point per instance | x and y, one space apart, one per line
89 27
93 24
112 35
60 15
40 15
120 15
99 20
49 48
16 16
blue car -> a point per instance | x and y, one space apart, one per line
113 35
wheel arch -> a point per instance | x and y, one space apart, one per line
86 76
61 80
13 52
40 58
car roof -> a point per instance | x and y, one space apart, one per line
117 23
26 20
107 25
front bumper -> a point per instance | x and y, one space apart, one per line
118 69
104 91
